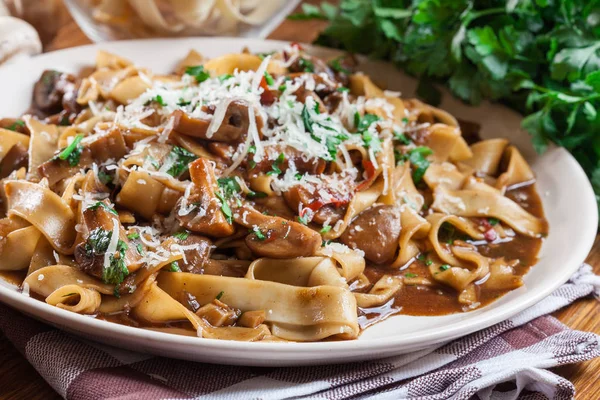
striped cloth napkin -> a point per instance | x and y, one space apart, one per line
506 361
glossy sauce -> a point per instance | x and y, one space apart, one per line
439 299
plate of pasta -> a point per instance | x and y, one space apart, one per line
265 203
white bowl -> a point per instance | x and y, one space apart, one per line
567 196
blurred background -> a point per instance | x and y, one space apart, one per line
59 22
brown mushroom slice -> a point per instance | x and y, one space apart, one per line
101 216
301 195
376 232
17 157
200 209
196 256
233 127
276 237
56 169
49 90
110 145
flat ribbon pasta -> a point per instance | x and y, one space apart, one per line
43 209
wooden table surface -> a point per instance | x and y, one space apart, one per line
19 380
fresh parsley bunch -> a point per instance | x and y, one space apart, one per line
541 57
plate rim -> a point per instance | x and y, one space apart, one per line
454 330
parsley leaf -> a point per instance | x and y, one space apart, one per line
181 158
15 125
419 162
98 204
198 73
72 152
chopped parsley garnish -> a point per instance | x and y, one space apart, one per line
133 236
225 209
402 138
410 275
493 221
224 77
181 102
98 204
181 158
428 262
336 65
181 235
362 128
306 119
276 167
174 267
419 162
198 73
260 236
302 219
269 79
282 88
72 152
332 142
97 244
444 267
104 177
229 186
298 176
140 249
325 229
221 293
18 123
306 65
256 195
405 120
364 122
158 99
343 89
422 256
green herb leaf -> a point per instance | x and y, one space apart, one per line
72 152
493 221
182 235
180 158
269 79
133 236
15 125
325 229
174 267
221 293
198 73
410 275
444 267
98 204
259 235
419 162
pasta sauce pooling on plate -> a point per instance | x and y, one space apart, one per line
257 197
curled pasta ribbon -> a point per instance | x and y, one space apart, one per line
517 170
75 298
414 227
360 202
486 156
46 280
444 252
43 209
474 203
292 312
473 267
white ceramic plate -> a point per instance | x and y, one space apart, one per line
566 194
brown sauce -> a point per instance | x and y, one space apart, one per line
439 299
